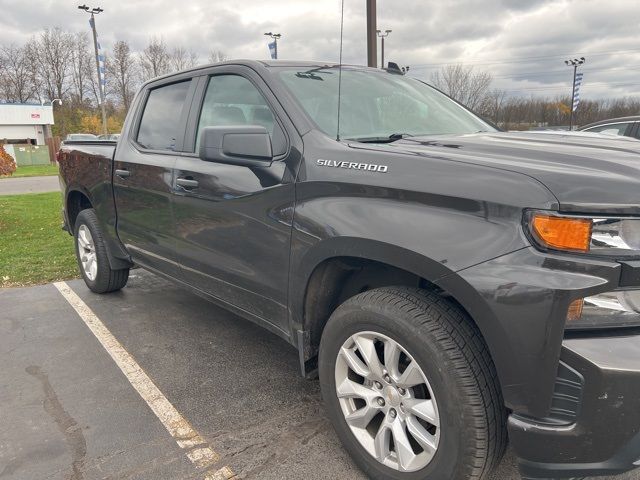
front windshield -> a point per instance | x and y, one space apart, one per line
376 104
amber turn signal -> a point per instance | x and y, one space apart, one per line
575 310
563 233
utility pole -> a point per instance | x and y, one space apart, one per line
275 37
372 54
382 36
92 22
575 63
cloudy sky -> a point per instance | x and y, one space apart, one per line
522 43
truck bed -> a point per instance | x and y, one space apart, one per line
94 182
73 158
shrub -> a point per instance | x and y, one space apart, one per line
7 165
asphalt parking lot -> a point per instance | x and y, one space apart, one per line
69 411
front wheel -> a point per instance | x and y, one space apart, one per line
410 388
92 256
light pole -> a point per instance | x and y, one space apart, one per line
575 63
51 102
275 37
383 35
47 129
95 11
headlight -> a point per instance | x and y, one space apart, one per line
607 236
620 308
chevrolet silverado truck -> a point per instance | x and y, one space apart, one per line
454 287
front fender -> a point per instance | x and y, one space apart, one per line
426 234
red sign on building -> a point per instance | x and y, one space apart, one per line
35 115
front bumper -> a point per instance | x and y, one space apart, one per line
575 398
603 437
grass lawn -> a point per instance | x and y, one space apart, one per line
34 171
33 248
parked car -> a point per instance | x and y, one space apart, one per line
623 126
112 137
78 137
452 285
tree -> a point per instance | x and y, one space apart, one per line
33 67
7 164
182 59
92 123
81 66
123 70
493 105
51 53
15 81
463 84
216 56
154 59
94 85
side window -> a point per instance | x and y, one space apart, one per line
159 124
234 100
615 129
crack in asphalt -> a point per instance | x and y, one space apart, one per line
66 423
283 445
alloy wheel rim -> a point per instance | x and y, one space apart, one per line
87 253
387 401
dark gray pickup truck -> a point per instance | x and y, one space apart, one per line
454 286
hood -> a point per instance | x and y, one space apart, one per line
586 174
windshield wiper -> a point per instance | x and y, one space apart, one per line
391 138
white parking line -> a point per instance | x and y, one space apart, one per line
199 451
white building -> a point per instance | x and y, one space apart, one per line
25 123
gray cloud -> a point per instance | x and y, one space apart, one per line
521 42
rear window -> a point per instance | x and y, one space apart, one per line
159 126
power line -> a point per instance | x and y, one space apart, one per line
564 87
520 59
562 72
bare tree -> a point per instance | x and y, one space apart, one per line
31 52
463 84
54 48
182 59
15 81
81 66
123 70
154 59
493 105
216 56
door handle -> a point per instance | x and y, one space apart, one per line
187 183
122 173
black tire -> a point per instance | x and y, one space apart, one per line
452 354
106 279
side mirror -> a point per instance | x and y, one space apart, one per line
245 145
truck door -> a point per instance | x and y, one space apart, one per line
143 176
234 222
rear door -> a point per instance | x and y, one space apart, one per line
233 222
143 175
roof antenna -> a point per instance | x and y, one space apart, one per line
340 70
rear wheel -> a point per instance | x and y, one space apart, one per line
410 388
92 256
